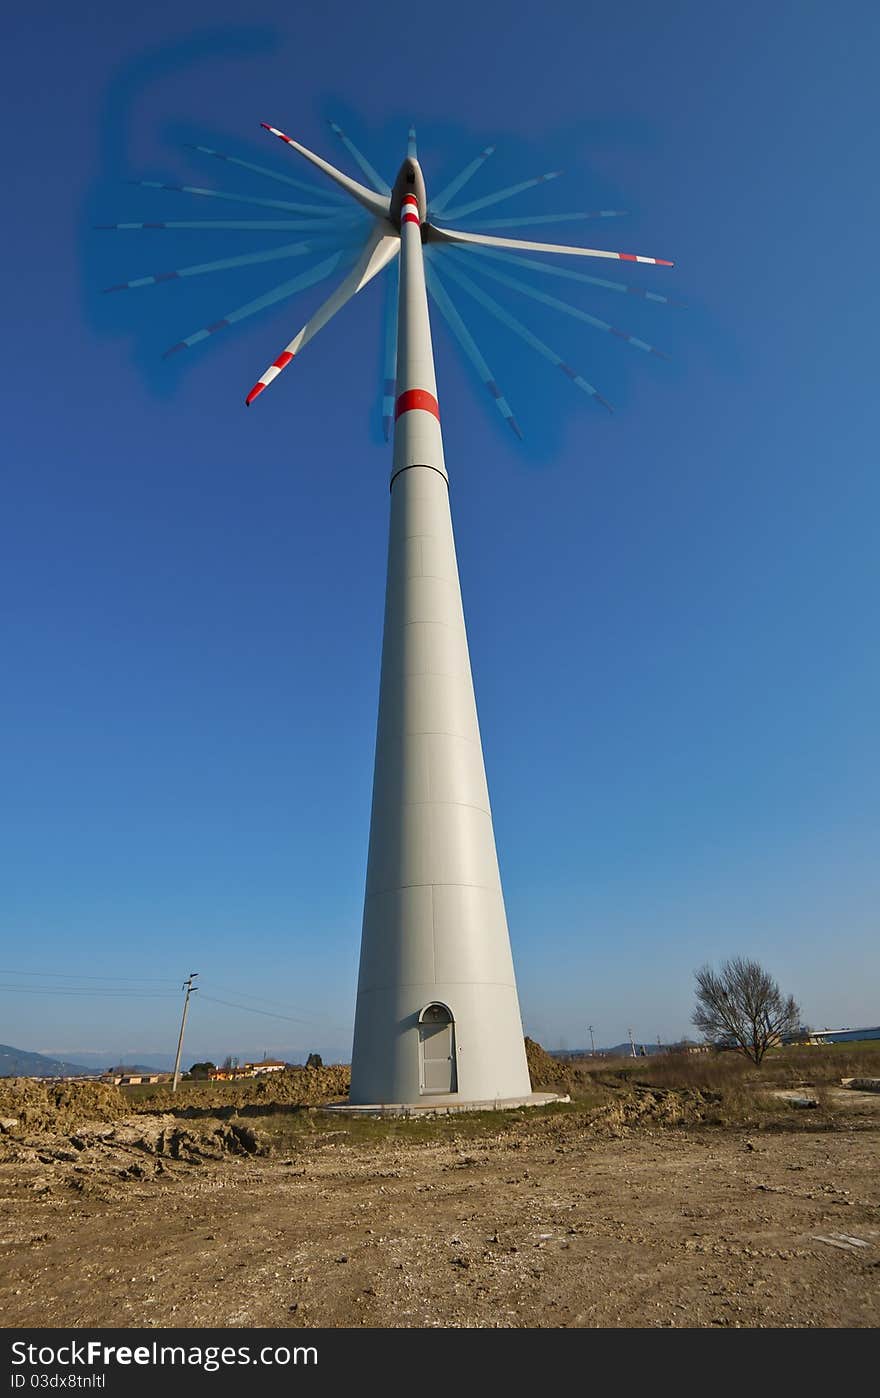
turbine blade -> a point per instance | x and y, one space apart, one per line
372 175
377 253
443 198
389 382
551 270
485 240
271 174
278 293
500 194
412 149
250 225
547 218
491 305
224 264
376 203
517 285
240 198
453 319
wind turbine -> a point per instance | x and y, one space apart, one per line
437 1015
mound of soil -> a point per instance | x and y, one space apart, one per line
46 1106
101 1158
648 1105
298 1087
550 1074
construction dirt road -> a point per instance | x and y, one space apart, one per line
634 1212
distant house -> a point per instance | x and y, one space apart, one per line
248 1070
268 1065
134 1079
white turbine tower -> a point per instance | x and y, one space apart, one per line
437 1009
437 1016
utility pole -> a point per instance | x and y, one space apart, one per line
632 1046
592 1042
189 988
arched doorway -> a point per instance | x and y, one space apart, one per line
437 1071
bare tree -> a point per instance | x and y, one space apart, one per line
742 1007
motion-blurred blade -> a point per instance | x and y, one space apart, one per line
224 264
546 218
516 284
249 225
377 253
500 194
271 298
491 305
437 205
270 174
317 210
551 270
372 175
464 337
389 382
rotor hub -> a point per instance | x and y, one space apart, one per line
410 180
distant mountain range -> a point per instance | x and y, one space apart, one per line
133 1060
623 1050
18 1063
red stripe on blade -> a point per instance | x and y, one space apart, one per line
417 398
254 393
283 360
627 257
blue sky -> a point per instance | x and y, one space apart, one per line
672 611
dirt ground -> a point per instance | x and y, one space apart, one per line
633 1213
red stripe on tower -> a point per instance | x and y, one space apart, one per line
417 398
409 210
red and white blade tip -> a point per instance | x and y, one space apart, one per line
271 373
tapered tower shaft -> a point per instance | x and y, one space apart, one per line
437 1009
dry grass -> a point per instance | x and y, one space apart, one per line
669 1090
788 1067
727 1089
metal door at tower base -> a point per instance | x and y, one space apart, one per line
437 1072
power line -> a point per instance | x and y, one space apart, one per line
116 992
244 995
68 976
250 1009
90 994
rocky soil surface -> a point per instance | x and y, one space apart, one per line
636 1212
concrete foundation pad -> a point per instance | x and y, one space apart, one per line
443 1106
